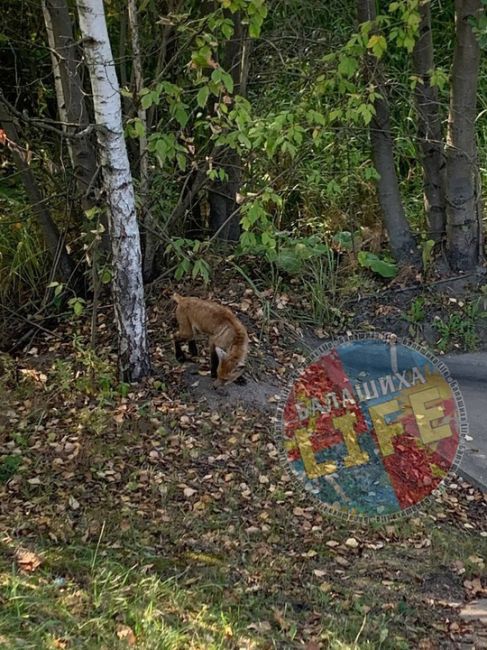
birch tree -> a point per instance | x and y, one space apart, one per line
127 285
463 195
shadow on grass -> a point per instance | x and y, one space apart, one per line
100 597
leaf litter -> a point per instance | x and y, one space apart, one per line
177 471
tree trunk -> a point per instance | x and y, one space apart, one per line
64 268
224 216
168 48
429 128
148 229
58 84
75 111
400 236
224 213
128 289
463 195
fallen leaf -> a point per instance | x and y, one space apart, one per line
260 626
319 573
351 542
27 560
73 503
312 645
458 567
474 587
125 633
476 610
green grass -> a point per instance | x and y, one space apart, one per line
82 598
460 328
83 593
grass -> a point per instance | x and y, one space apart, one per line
86 596
82 598
460 328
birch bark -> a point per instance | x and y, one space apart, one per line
127 286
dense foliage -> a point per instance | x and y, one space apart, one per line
269 100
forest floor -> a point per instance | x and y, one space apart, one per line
160 516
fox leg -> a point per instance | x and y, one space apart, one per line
184 333
214 361
193 350
240 381
178 350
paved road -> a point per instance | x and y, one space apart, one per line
470 371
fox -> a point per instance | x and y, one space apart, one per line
228 338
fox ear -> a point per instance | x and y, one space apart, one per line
221 353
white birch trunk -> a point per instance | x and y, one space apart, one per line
128 289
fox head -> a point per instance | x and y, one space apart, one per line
230 367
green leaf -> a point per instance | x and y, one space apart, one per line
227 28
147 100
243 139
343 240
106 276
375 264
268 240
77 305
335 114
91 213
202 96
181 160
181 115
289 261
202 57
123 389
378 44
170 89
347 66
255 24
426 251
139 128
227 81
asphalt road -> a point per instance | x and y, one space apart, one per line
470 371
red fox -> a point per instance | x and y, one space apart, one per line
228 338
